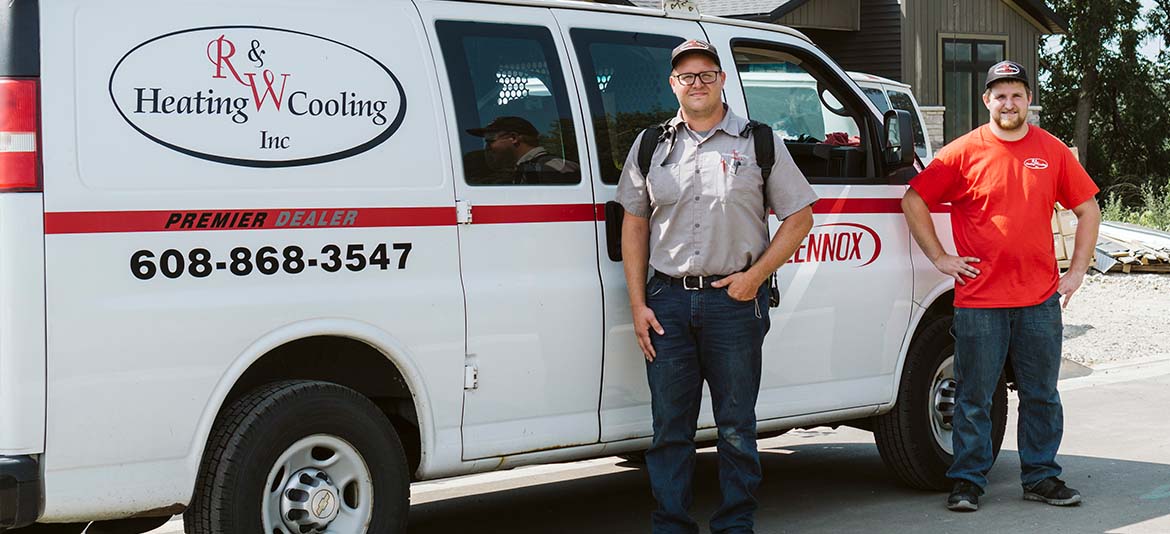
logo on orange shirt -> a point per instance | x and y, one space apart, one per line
1035 163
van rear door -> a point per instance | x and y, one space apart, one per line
22 282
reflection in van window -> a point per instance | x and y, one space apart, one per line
904 102
511 106
631 92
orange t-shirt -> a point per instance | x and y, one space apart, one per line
1001 195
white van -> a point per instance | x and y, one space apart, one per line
260 266
886 94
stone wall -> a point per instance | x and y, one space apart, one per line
1034 115
933 115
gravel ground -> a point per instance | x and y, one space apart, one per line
1118 317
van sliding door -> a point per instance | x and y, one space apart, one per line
623 63
528 250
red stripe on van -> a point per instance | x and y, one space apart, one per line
858 205
540 213
92 222
829 206
867 205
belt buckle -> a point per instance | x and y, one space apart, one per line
688 287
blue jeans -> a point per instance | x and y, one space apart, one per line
983 340
709 336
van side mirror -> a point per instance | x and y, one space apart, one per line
899 134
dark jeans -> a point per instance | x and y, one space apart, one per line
709 336
983 339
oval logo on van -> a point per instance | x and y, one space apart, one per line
257 96
850 243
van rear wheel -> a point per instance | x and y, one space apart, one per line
301 457
914 439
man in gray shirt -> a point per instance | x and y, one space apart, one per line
699 218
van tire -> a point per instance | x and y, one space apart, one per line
904 436
258 429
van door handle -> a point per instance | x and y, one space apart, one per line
614 213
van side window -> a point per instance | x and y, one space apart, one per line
824 133
878 98
904 102
511 106
626 83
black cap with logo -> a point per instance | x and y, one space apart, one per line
505 124
694 45
1007 70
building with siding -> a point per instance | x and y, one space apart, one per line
942 48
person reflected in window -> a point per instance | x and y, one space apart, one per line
513 151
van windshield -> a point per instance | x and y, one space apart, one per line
790 104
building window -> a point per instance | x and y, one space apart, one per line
965 64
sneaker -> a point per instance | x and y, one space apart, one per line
964 497
1052 491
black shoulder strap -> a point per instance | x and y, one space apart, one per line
646 150
765 146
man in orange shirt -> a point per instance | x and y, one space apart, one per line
1002 180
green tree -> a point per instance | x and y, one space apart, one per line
1107 97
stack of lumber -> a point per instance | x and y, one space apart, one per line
1064 232
1130 248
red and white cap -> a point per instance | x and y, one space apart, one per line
1007 70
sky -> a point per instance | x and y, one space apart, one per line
1150 49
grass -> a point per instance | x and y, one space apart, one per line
1152 209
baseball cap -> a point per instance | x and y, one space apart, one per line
1007 70
694 45
505 123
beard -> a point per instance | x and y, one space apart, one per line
498 161
1012 124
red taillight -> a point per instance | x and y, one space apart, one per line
19 168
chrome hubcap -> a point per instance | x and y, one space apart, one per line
942 403
309 501
319 484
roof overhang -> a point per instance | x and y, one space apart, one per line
1040 15
772 16
1036 12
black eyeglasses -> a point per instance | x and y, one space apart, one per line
707 76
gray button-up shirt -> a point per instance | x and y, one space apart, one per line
705 198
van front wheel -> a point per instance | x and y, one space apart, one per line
301 457
914 438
